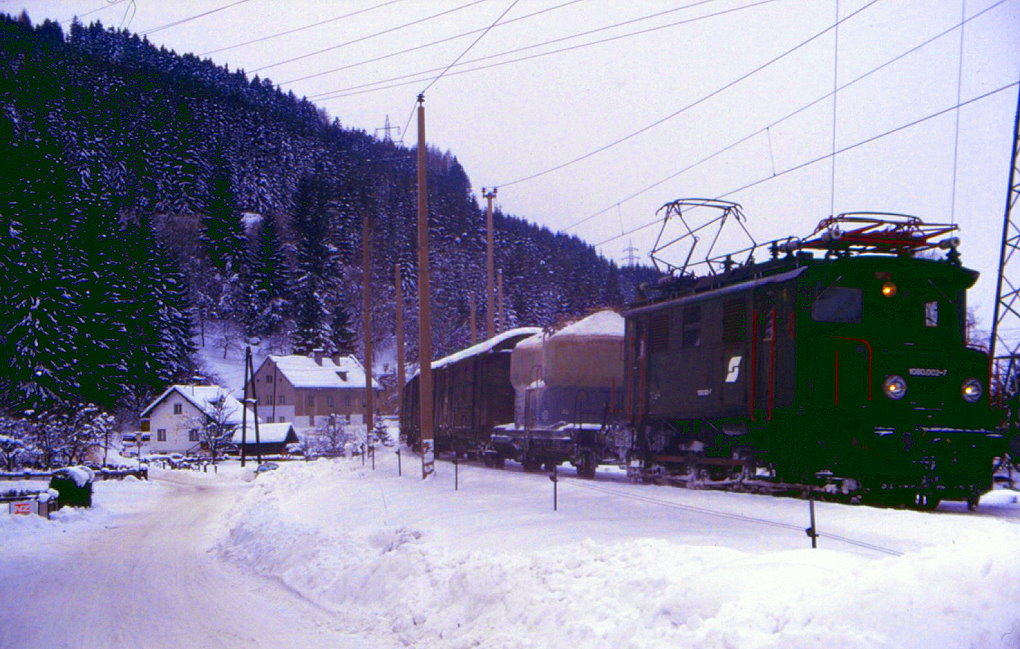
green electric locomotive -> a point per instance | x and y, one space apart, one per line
843 359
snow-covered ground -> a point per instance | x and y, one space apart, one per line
332 553
622 565
134 571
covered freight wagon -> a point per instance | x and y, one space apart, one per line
471 393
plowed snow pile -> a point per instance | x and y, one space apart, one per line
491 565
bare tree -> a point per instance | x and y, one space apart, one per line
217 428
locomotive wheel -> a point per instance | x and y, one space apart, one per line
532 464
498 462
926 501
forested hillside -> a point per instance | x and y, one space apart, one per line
148 197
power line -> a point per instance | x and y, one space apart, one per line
356 90
425 45
691 105
828 155
796 112
190 18
109 4
480 36
298 29
365 38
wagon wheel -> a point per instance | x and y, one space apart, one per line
531 463
586 465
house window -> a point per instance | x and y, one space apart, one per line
178 409
310 400
161 435
329 401
281 400
348 400
193 435
269 378
280 419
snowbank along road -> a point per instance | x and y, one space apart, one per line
136 573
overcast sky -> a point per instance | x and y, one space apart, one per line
702 76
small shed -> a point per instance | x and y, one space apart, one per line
274 438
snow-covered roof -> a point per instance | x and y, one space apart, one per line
484 346
304 372
601 323
268 433
202 397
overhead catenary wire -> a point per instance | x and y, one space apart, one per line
822 158
784 118
369 36
835 103
956 136
190 18
302 28
691 105
426 45
417 77
468 48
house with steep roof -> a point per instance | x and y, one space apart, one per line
307 390
175 418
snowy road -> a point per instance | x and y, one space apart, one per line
144 579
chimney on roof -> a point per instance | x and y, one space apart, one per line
317 355
336 358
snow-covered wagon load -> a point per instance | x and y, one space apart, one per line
471 392
566 385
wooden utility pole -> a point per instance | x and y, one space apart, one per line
499 290
366 236
400 336
424 314
490 265
244 407
474 329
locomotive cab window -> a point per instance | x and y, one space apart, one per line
838 304
931 314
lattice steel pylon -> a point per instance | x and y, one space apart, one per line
1004 345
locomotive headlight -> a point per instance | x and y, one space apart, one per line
888 289
971 390
894 387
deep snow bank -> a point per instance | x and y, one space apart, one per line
491 566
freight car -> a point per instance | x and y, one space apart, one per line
471 393
844 355
567 385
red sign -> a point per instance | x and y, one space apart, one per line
23 508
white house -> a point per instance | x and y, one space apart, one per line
175 419
306 390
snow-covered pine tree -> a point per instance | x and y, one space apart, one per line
315 256
267 299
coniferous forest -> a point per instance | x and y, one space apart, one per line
151 200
